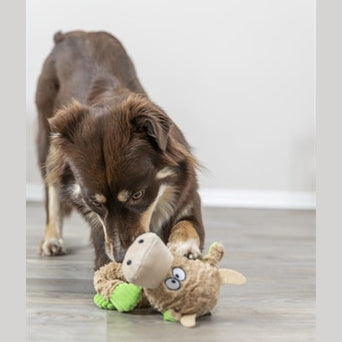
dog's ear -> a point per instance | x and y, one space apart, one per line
148 118
155 126
64 123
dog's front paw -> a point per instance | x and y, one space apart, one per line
51 247
188 248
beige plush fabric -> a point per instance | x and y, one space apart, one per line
197 294
147 261
107 278
187 289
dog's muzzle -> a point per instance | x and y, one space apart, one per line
114 254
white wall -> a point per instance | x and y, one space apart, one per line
236 76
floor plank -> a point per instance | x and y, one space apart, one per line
275 249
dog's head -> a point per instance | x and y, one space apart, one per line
126 160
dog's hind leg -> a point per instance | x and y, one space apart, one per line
55 208
47 90
53 238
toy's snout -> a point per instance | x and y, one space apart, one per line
147 261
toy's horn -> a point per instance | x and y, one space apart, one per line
147 261
188 321
231 277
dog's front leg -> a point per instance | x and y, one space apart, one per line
184 240
53 239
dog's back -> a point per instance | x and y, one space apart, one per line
107 150
79 58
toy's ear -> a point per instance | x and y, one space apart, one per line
188 321
231 277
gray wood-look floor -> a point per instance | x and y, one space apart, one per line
275 249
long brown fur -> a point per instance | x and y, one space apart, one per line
100 134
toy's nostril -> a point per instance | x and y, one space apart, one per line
129 262
141 241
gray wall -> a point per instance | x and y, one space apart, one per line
237 76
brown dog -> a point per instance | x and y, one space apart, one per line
108 151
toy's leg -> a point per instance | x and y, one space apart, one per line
125 297
102 303
110 284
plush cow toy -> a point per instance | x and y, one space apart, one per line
151 275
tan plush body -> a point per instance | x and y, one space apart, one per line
183 287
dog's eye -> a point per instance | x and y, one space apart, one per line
98 200
97 203
138 195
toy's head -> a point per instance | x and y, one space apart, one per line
183 288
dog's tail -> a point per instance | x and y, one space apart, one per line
58 37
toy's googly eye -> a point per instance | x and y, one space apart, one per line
172 284
178 273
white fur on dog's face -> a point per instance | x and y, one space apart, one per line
76 190
164 208
151 210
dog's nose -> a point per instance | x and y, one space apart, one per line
119 255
